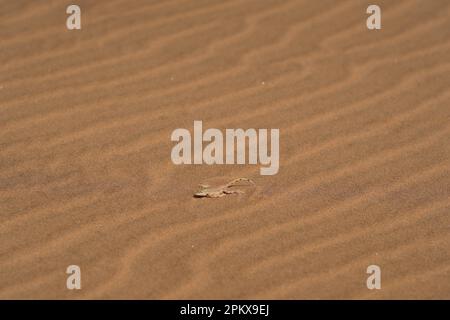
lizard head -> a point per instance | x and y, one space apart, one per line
201 193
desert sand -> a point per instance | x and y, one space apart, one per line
86 176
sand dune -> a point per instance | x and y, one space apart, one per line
86 176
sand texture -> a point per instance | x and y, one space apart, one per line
86 176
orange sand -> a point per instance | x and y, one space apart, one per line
86 176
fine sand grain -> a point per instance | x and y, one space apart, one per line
86 176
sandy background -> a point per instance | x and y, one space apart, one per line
86 176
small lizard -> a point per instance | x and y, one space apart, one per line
216 192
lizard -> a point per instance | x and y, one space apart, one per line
207 191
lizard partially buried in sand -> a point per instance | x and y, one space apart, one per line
207 191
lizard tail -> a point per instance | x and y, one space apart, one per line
236 181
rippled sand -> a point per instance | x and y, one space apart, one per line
86 176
